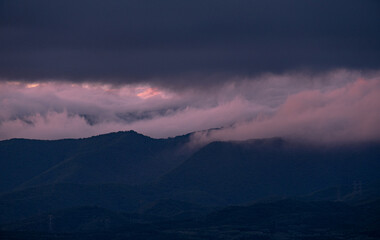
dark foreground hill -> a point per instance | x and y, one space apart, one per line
126 185
42 199
284 219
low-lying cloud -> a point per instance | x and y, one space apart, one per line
336 106
348 113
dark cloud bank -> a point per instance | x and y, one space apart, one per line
184 43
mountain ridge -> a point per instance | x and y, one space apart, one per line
67 160
167 189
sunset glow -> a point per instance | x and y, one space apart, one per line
191 120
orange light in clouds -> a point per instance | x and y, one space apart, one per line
32 85
149 92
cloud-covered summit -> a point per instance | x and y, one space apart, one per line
183 43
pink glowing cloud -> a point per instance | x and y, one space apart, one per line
348 113
336 106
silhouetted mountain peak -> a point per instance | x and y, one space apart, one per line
120 157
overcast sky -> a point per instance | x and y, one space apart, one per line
164 68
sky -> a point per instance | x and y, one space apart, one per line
297 69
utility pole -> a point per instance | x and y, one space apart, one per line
51 223
338 193
357 187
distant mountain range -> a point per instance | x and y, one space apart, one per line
240 172
127 180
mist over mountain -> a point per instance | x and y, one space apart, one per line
191 120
